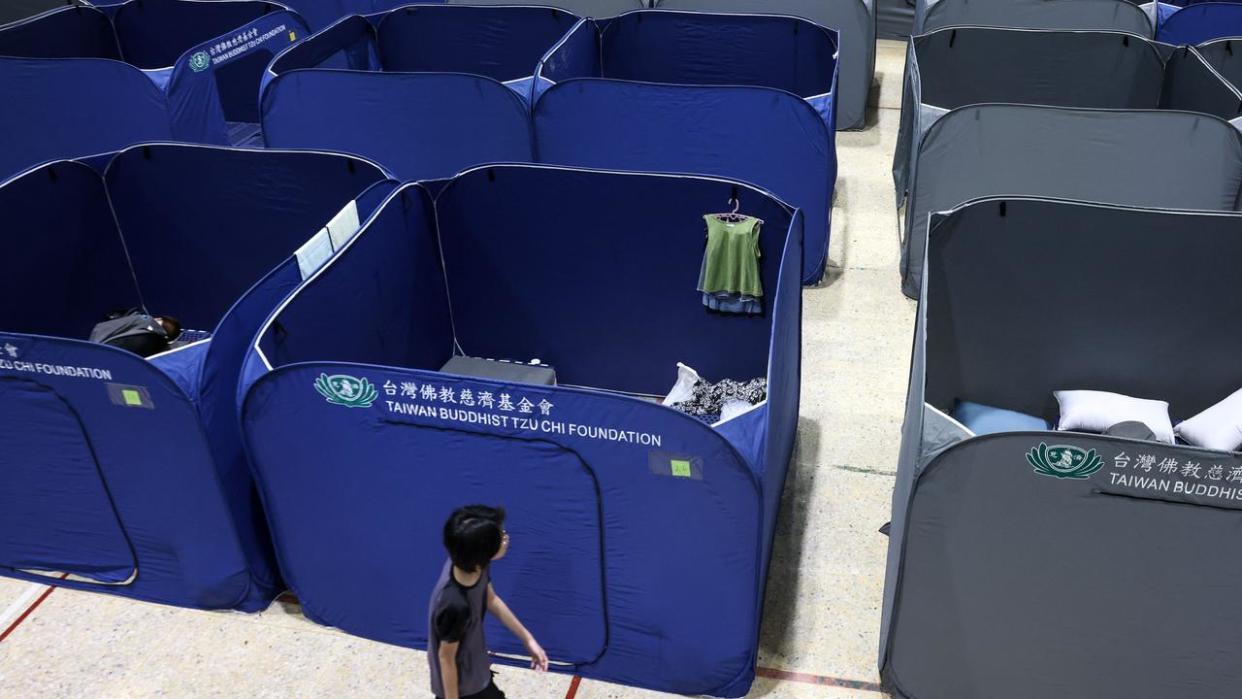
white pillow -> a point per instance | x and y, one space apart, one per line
1219 427
1096 411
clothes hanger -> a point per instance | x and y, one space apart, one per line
734 216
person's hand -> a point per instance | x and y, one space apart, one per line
538 658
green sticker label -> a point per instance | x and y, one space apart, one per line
130 396
671 464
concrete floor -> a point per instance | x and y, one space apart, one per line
822 613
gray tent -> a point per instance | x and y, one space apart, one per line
1118 15
957 67
854 21
15 10
582 8
1225 55
1192 83
894 18
1038 564
1087 154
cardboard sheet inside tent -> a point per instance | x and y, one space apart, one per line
621 509
1086 154
988 534
1201 22
1114 15
72 97
428 91
128 474
651 91
854 22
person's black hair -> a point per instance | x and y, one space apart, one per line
172 327
473 535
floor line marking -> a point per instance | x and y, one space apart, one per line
29 610
573 687
32 590
821 680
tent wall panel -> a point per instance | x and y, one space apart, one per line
615 592
155 33
663 71
71 200
502 43
854 21
420 105
1220 55
894 19
1090 155
66 521
79 33
670 128
184 540
98 106
74 107
582 8
1109 15
196 538
320 14
17 10
963 624
471 120
1201 22
1192 84
958 67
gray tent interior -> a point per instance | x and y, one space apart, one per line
956 67
1087 154
894 18
1191 83
854 21
1115 15
1115 576
16 10
1224 55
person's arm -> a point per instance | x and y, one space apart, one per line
448 669
498 608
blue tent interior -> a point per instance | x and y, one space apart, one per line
652 90
1200 22
202 63
633 524
428 90
128 474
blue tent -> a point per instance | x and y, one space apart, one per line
641 535
128 474
80 81
1200 22
427 90
657 90
320 14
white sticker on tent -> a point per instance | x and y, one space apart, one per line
344 225
314 253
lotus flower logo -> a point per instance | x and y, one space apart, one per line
1062 461
346 390
200 61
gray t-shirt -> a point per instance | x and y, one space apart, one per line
456 614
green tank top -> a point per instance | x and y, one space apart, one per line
731 261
